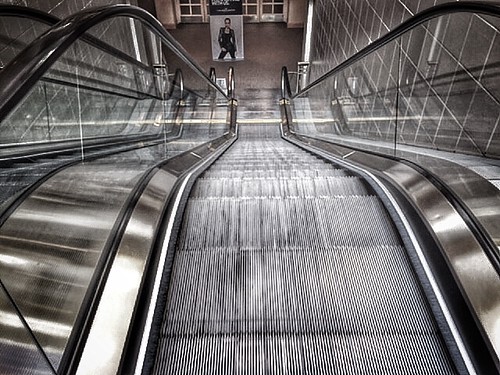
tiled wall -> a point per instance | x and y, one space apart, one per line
450 91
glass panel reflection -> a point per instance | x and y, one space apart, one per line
119 87
426 89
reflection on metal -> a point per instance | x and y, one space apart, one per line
19 352
231 83
258 121
472 268
369 118
433 58
161 79
302 74
52 243
162 258
50 248
55 246
122 69
348 154
177 86
308 32
423 186
352 83
104 347
135 40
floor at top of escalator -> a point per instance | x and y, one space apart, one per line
254 105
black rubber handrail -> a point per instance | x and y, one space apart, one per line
286 91
212 75
490 9
21 74
178 83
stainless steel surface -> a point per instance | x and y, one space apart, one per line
478 194
285 264
472 178
471 266
111 326
56 245
51 244
106 340
473 269
18 350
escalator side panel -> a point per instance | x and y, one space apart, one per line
19 352
51 245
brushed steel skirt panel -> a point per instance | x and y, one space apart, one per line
18 351
50 246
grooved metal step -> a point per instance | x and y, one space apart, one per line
276 187
287 265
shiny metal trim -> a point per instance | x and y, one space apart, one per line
53 242
107 337
110 330
162 260
16 337
471 267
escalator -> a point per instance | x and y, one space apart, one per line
90 155
246 248
286 263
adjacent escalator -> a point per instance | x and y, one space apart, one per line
93 141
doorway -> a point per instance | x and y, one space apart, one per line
196 11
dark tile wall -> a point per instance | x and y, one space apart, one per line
449 95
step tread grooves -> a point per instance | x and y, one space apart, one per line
287 265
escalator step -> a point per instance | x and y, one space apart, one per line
287 265
247 187
286 222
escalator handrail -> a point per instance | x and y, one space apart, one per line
286 91
231 83
212 74
21 74
51 20
490 9
178 82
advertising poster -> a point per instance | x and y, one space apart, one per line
226 29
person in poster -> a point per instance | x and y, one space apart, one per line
227 40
